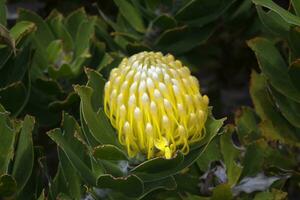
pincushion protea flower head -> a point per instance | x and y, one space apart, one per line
155 104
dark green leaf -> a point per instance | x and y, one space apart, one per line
98 124
23 161
222 192
96 82
43 33
74 20
22 29
3 12
131 185
294 72
230 156
5 38
8 185
190 38
201 12
274 126
84 171
286 15
7 136
296 6
109 152
274 67
273 22
289 108
131 14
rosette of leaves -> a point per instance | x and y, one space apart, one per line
43 58
94 156
17 155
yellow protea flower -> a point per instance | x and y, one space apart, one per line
154 103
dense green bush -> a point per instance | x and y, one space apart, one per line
57 143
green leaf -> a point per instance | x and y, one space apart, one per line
274 67
167 183
246 122
13 97
96 82
158 165
98 124
22 29
5 38
84 171
211 154
72 180
273 22
253 160
294 42
8 185
7 138
131 185
222 192
3 12
24 155
109 152
200 12
286 15
294 72
60 31
164 21
131 14
274 126
289 108
190 38
82 41
64 71
296 6
230 156
74 20
65 104
43 34
54 51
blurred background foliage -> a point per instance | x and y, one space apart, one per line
244 53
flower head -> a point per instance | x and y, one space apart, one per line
155 104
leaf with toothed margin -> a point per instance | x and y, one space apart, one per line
109 152
168 183
84 171
159 168
131 185
98 124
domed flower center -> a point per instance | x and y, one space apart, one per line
155 104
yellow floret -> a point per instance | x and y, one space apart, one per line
155 104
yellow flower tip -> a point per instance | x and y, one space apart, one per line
155 104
